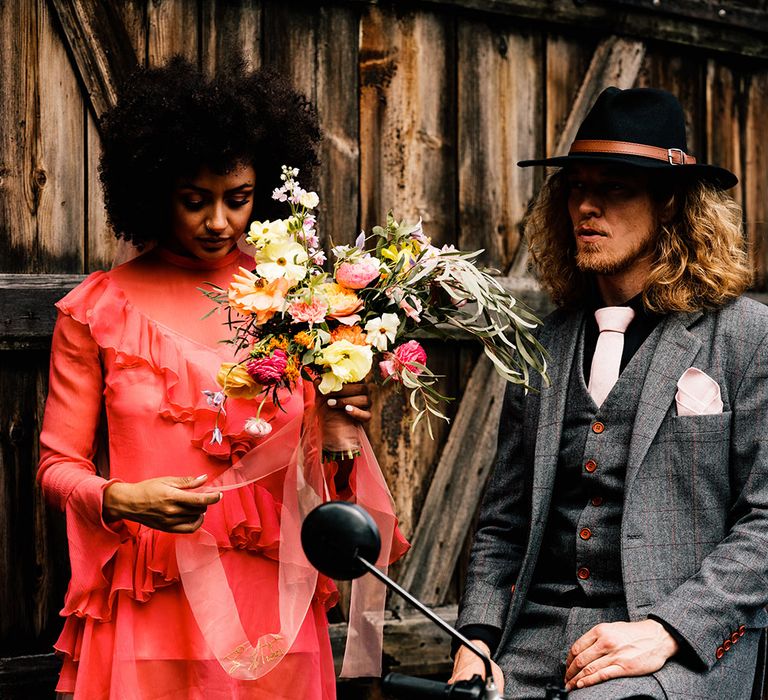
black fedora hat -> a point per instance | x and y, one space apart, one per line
643 127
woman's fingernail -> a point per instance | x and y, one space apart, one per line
349 408
331 402
202 476
221 495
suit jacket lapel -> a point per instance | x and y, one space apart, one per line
561 348
674 354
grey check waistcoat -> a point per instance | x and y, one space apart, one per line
579 562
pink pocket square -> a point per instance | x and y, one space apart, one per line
697 394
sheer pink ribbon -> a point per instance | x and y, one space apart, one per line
296 448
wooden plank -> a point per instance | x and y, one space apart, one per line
567 62
456 487
407 163
413 645
60 171
725 120
27 314
740 31
171 29
100 240
32 565
500 99
41 154
29 677
617 62
336 98
756 176
100 46
230 26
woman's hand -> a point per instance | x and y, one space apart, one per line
164 503
340 414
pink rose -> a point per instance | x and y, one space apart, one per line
314 312
268 370
357 275
405 354
410 352
387 368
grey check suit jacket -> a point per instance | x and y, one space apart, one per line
694 534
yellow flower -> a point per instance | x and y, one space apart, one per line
346 362
282 259
341 301
236 382
408 250
251 294
304 339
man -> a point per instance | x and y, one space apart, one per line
622 546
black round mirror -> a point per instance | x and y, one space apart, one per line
334 534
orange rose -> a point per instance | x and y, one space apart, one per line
354 334
236 382
341 301
251 294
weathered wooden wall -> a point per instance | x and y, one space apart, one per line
425 106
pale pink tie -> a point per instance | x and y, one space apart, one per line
612 322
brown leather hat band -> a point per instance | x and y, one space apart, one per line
673 156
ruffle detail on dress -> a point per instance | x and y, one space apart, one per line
145 560
187 368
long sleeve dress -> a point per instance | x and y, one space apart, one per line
131 360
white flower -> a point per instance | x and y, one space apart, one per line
382 331
309 200
217 437
284 259
265 232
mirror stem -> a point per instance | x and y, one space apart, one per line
424 610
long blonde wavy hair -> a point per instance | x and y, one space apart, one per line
700 258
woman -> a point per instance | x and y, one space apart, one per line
185 581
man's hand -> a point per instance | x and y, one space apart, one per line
468 664
164 503
618 650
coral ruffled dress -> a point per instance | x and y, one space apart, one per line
132 353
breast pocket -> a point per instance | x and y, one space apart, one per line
708 428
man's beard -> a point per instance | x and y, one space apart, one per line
590 258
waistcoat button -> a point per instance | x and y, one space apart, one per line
590 466
583 573
598 427
585 533
597 501
719 653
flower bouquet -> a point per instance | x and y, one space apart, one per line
289 316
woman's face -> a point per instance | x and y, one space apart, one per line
209 212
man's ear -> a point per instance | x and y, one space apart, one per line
667 209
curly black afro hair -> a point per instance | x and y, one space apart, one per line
170 122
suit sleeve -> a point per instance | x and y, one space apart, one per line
730 589
499 543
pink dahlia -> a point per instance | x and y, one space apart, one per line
410 352
268 370
314 312
357 275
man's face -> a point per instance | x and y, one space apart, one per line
614 218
